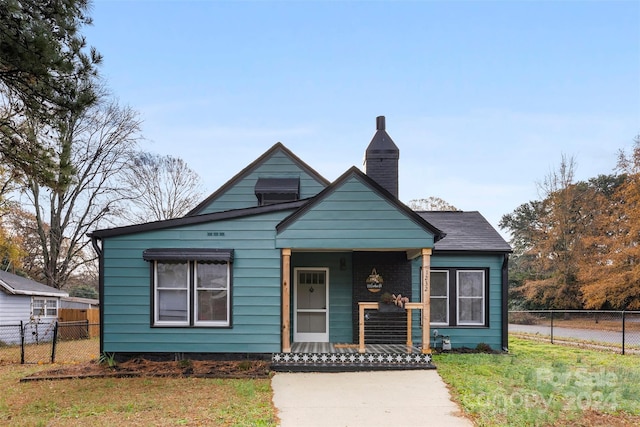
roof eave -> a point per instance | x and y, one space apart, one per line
13 291
42 294
437 251
196 219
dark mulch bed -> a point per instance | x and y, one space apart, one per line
146 368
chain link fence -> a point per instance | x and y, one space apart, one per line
49 342
77 341
617 331
11 347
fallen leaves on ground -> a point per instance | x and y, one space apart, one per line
146 368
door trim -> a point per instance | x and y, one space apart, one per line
310 336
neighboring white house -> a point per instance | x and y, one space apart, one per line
32 304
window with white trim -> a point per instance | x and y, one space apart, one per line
172 293
459 296
44 307
439 297
212 294
470 291
192 293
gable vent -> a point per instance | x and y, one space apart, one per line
277 190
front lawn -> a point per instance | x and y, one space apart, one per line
536 384
150 401
539 384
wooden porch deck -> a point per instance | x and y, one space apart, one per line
336 357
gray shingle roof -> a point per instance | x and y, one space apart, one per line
17 285
466 231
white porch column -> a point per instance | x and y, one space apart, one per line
426 300
286 299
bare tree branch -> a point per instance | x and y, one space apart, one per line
163 187
92 149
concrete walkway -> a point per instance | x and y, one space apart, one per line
381 398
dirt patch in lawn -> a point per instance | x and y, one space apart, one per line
146 368
597 419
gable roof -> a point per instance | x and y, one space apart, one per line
465 231
13 284
196 219
374 186
277 147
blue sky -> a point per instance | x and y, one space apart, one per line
482 98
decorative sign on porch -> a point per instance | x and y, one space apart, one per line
374 281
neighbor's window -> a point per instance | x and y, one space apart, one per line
191 293
439 297
44 307
470 291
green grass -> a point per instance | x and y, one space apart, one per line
539 384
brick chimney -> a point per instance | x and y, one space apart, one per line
381 159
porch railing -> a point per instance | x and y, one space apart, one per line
362 306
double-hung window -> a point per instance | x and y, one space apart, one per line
458 297
470 293
44 307
190 287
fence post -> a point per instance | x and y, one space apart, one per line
53 346
21 343
551 326
623 330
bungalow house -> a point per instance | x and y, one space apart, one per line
29 305
279 260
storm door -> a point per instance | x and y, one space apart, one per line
311 305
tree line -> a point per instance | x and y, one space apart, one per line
70 156
579 245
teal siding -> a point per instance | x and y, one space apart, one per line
354 217
242 194
464 336
256 289
340 293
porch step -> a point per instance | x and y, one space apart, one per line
382 359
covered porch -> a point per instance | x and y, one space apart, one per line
329 249
406 346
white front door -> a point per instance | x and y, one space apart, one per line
311 305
